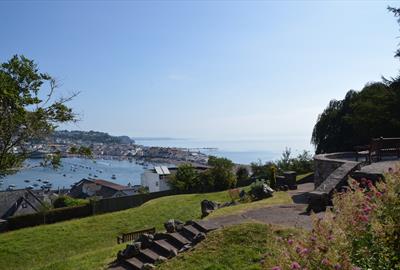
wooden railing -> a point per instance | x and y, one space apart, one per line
133 236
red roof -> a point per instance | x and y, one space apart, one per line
110 184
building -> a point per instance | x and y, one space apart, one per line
156 179
19 202
101 189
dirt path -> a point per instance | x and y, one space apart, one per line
287 215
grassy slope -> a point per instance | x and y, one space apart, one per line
90 243
237 247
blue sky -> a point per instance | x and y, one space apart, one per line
203 69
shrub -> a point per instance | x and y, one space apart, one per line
260 170
242 175
185 179
301 164
257 191
66 201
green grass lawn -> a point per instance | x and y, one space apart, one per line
90 243
241 246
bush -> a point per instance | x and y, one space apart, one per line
242 175
185 179
362 232
260 170
219 177
257 191
66 201
301 164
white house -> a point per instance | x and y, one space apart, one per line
156 179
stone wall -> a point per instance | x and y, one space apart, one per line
325 164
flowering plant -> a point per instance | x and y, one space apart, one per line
361 232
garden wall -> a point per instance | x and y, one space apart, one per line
326 164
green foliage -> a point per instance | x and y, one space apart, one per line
260 170
242 175
219 177
66 201
221 173
301 164
362 231
85 151
52 160
186 178
25 115
360 116
73 150
257 190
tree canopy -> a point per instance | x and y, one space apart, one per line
361 116
27 110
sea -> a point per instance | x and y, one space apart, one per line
127 172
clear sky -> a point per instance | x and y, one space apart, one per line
203 69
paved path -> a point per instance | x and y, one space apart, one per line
381 166
287 215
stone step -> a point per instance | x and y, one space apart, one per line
178 240
190 231
204 226
165 247
148 255
134 263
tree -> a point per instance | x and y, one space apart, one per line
221 173
186 178
260 170
27 110
242 175
360 116
85 151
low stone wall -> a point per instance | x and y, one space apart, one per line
331 173
325 164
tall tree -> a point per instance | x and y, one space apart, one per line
360 116
28 109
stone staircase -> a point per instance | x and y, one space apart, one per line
151 250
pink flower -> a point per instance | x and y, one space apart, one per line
295 265
313 238
363 218
356 268
305 251
337 267
290 241
325 261
276 268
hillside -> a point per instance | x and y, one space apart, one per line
88 137
90 243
